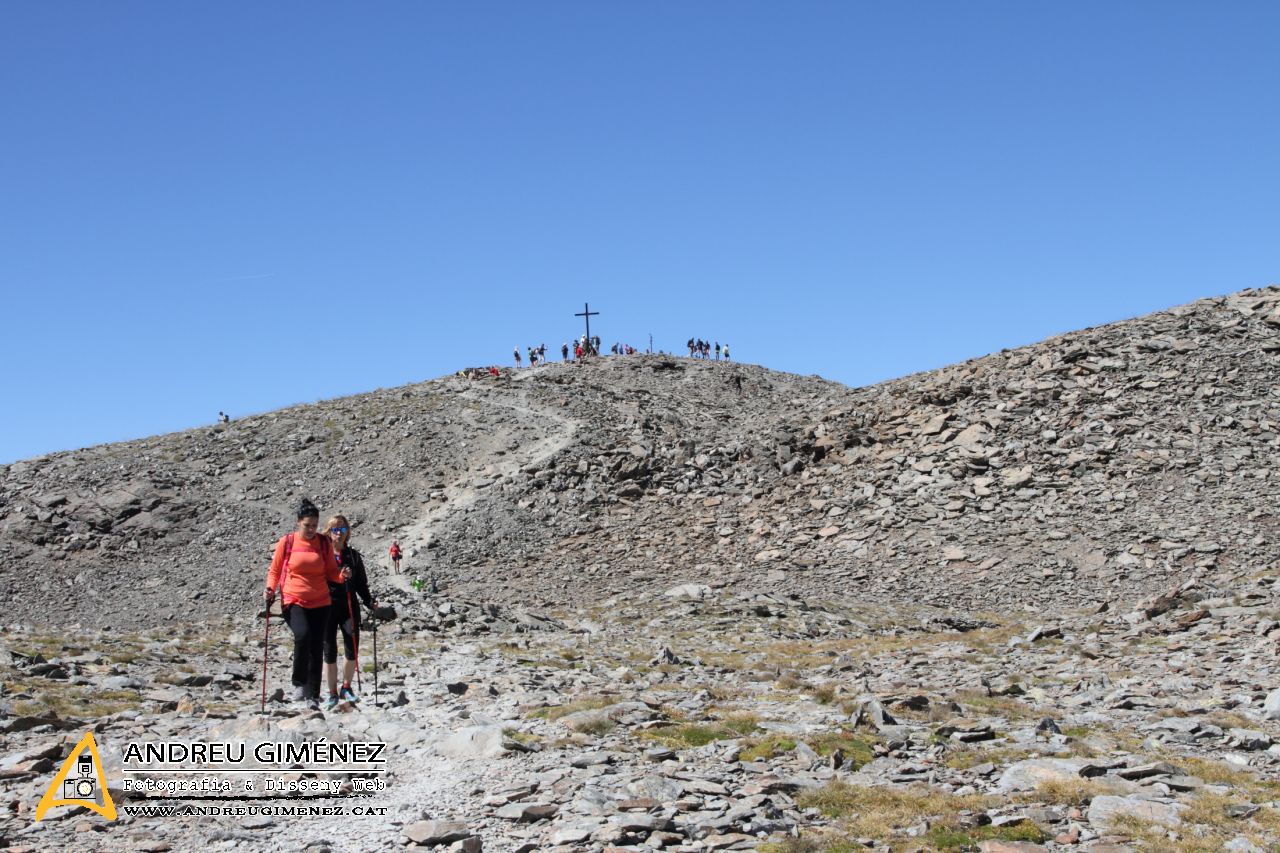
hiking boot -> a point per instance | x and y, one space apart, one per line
347 695
313 704
331 702
300 693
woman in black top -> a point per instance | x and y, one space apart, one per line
345 614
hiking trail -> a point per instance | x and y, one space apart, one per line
462 493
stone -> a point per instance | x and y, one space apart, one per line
527 812
1028 774
1105 809
1250 739
1241 844
661 789
474 742
434 832
997 846
690 591
1271 706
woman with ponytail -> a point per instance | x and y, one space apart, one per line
302 569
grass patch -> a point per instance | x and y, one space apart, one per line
701 734
1229 720
881 812
949 838
590 703
1070 792
522 737
78 702
823 694
854 748
971 756
596 727
1005 706
1221 773
809 844
766 748
1205 828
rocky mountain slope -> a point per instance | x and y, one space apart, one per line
1025 603
1087 467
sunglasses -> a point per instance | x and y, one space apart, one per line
338 530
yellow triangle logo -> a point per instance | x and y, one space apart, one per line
80 782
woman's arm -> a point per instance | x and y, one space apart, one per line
360 578
277 564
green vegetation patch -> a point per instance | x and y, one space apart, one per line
589 703
703 733
855 748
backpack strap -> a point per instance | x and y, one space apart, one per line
284 568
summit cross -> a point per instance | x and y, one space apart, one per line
586 313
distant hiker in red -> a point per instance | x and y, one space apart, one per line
302 569
395 555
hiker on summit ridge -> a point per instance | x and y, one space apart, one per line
395 552
564 351
302 568
344 614
516 353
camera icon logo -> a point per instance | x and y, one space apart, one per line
80 782
85 787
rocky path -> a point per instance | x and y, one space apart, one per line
704 719
507 459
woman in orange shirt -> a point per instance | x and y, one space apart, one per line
302 569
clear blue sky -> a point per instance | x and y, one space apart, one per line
244 206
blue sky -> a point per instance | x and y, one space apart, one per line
245 206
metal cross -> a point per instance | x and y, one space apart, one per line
586 313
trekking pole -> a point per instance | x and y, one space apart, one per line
266 647
373 626
355 633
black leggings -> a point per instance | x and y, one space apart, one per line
338 619
307 625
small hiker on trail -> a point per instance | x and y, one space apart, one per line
717 350
344 615
542 353
516 353
302 569
394 551
224 418
726 352
564 351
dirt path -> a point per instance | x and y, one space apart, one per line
462 493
